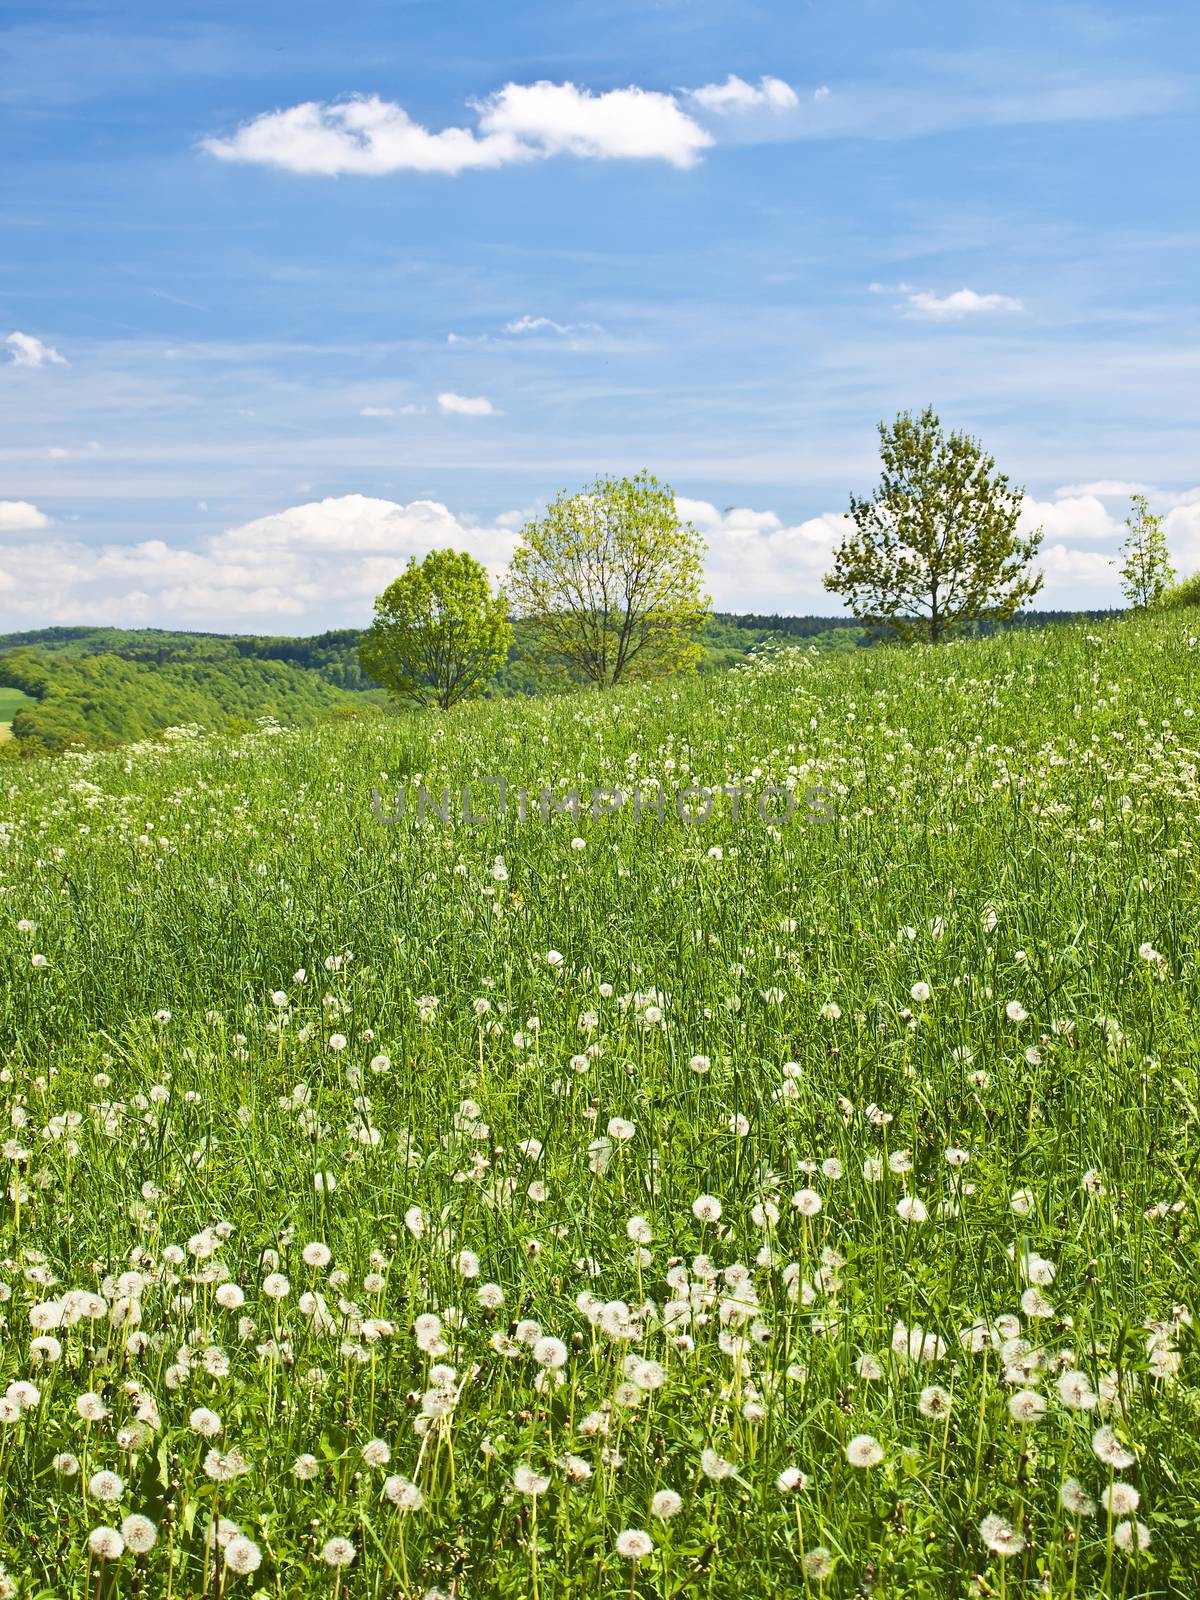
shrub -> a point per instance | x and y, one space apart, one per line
1184 593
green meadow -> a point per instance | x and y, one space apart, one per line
795 1202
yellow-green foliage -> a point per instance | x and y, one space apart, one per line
610 582
1184 593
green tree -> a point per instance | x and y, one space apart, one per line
1146 570
936 547
609 581
440 635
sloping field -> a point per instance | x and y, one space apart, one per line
594 1205
11 701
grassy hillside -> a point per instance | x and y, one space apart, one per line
88 697
817 1198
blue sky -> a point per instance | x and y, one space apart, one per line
268 324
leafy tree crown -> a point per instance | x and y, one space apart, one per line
937 545
610 579
440 634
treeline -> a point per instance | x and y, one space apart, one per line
331 656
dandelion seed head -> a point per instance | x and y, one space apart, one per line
1001 1537
864 1450
634 1544
666 1504
106 1544
242 1555
337 1552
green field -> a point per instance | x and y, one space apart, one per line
594 1207
11 701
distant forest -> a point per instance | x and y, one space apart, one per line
95 688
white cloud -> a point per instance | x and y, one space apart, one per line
757 562
953 307
735 94
1077 513
528 326
548 325
1084 578
1182 529
1107 488
462 405
1080 516
26 351
348 526
536 325
560 119
309 566
364 135
1161 500
377 411
522 122
19 516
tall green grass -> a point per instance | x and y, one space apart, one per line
639 1161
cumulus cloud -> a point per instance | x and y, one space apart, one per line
306 567
364 135
735 94
1181 527
26 351
521 122
464 405
1161 500
758 562
560 119
19 516
953 307
1078 516
1085 578
1077 575
321 564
